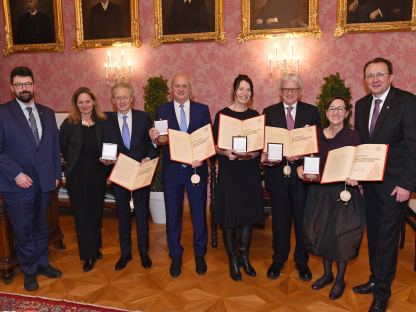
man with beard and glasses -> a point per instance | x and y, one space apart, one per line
29 170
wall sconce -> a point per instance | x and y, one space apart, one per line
283 62
117 69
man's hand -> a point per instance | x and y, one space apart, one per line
197 163
375 14
107 162
146 159
401 194
294 158
23 181
351 182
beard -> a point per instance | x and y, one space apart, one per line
25 96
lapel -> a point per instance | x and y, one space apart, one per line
366 120
22 120
384 110
192 117
42 122
280 116
299 115
115 125
135 124
175 122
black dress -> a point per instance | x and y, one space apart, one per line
86 186
238 193
333 229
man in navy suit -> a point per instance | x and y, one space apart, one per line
129 129
386 116
185 115
29 170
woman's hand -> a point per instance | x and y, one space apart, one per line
299 171
153 133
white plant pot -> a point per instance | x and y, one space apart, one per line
157 207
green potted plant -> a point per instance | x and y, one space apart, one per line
155 94
333 86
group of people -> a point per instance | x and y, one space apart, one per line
324 225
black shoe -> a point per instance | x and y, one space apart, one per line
322 282
235 273
30 283
274 270
336 290
176 267
305 273
145 260
247 267
88 265
364 289
200 265
122 262
99 255
378 305
50 272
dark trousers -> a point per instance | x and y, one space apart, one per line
27 211
287 198
141 203
174 194
384 218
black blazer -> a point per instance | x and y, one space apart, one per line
396 126
70 139
306 114
140 146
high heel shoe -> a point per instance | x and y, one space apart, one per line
322 282
336 291
88 265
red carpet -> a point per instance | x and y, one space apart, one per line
14 302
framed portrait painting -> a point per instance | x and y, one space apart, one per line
188 20
269 18
375 15
106 23
33 26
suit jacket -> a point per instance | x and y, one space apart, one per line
70 139
140 145
396 126
198 117
306 114
18 150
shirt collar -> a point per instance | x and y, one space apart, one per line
185 105
24 105
120 115
293 105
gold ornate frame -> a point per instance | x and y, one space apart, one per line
247 33
342 27
57 46
217 35
133 40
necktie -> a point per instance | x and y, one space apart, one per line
125 133
33 125
374 117
182 120
289 119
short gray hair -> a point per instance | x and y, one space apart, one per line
123 85
294 77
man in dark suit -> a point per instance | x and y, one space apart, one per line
30 168
386 116
106 21
129 129
187 17
287 192
34 26
185 115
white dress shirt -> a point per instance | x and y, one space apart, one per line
186 107
293 112
382 98
128 121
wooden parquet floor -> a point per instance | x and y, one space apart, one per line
137 289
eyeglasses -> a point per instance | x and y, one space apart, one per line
20 85
339 109
122 98
288 90
379 75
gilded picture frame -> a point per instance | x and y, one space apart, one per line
262 19
385 16
19 34
93 30
204 23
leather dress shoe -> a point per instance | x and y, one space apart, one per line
30 283
378 306
122 262
175 267
145 260
322 282
50 272
200 265
337 290
305 273
88 265
274 270
364 289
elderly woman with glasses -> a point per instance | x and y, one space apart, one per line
333 228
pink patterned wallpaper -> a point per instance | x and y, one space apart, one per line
213 66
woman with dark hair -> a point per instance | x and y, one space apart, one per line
81 144
333 228
238 198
